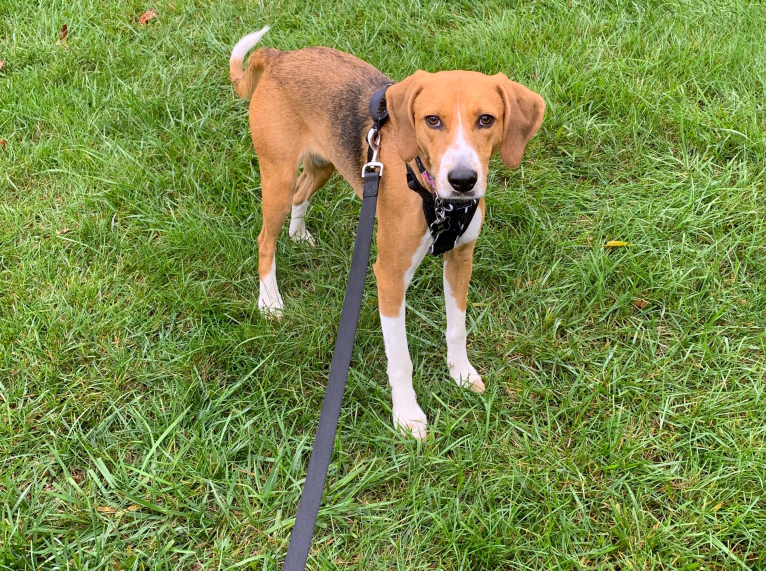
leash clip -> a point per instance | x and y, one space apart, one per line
373 139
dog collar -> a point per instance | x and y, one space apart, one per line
447 220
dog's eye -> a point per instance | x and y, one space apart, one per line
433 121
486 120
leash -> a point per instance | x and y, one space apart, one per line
311 497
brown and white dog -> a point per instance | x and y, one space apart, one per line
311 107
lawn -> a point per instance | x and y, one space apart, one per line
151 418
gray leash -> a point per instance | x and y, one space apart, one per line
311 497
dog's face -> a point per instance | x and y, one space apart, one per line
455 120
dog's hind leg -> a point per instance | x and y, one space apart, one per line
278 184
314 176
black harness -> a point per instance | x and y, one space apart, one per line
447 220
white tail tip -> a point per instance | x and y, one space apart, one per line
247 43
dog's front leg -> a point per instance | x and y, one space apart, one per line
393 273
458 264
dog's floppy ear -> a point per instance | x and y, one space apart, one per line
400 98
524 110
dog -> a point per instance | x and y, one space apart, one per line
311 107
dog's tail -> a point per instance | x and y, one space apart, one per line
246 81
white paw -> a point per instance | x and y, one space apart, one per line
298 230
466 377
270 304
411 421
300 234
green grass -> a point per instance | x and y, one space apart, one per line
150 418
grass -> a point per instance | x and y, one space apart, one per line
150 418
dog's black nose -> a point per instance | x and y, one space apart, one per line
462 180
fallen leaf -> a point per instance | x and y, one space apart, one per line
2 143
64 230
615 244
717 507
742 301
63 33
146 16
640 303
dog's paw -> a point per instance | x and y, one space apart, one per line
467 377
270 310
411 421
301 234
297 229
269 303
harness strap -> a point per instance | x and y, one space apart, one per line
378 109
311 497
414 184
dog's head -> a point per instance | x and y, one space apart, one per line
456 119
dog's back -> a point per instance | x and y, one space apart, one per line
310 79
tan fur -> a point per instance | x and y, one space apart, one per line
246 81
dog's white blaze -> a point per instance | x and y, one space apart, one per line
460 368
408 416
298 223
269 300
459 155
